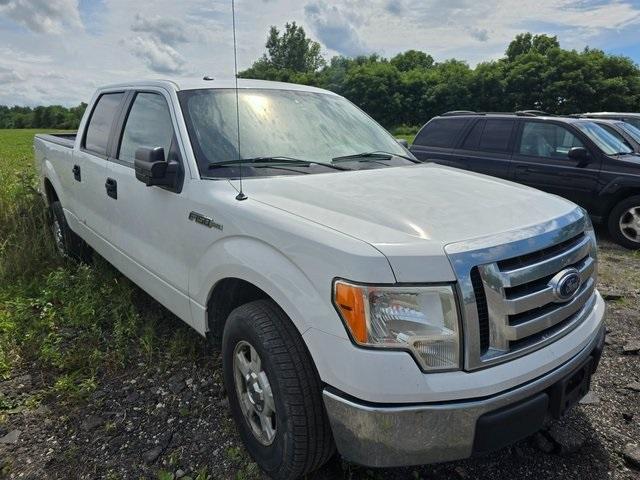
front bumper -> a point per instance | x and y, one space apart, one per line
386 436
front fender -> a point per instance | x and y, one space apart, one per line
270 270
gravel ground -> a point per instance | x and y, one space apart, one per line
170 418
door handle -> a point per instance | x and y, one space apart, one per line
112 187
76 172
526 169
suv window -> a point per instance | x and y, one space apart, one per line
633 121
547 140
97 135
148 125
491 135
615 133
441 132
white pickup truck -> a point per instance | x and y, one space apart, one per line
401 312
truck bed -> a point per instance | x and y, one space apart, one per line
63 139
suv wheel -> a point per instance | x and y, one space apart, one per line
274 391
624 222
67 243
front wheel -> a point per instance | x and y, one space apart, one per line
624 223
274 391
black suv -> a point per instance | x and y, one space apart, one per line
571 157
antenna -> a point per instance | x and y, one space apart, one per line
241 195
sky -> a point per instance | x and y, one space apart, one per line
60 51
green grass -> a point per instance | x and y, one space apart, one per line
75 322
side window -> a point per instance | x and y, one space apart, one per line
148 125
97 134
472 140
633 121
490 135
496 135
616 134
441 132
547 140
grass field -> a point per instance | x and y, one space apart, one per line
74 321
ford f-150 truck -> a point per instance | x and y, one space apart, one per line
401 312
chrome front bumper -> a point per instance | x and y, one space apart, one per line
387 436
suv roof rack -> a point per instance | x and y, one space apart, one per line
519 113
534 113
453 113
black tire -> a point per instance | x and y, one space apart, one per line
620 213
303 440
66 241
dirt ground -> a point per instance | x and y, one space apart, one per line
170 419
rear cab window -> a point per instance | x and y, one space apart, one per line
96 138
441 132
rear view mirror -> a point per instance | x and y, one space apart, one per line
580 155
152 168
403 142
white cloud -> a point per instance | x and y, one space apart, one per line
336 27
43 16
47 56
165 30
159 57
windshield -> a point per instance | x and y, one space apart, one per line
603 139
632 130
283 123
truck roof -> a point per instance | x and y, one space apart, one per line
195 84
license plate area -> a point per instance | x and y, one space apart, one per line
568 391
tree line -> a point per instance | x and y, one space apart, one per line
410 88
53 116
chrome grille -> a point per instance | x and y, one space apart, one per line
510 306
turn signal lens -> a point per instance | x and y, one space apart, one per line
349 300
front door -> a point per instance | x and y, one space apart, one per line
148 223
541 161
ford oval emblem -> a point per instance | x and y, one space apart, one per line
565 284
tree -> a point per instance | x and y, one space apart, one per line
412 59
287 54
526 42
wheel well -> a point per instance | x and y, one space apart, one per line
50 192
227 295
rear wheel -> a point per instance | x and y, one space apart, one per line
274 391
67 243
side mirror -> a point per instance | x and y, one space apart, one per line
580 155
153 169
402 142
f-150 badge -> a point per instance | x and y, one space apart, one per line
204 220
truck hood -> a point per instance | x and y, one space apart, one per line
410 212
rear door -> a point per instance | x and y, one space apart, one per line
91 162
435 142
540 160
487 147
148 223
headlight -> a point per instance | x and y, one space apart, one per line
422 320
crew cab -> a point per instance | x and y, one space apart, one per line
401 312
572 157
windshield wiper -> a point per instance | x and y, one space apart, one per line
267 161
373 156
